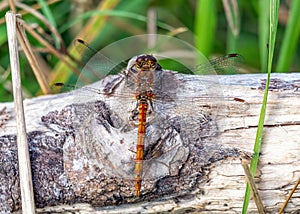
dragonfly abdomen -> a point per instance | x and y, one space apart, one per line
143 107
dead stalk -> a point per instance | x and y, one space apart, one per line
253 187
26 186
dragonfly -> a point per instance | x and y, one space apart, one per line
147 86
143 67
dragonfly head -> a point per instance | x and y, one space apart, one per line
146 62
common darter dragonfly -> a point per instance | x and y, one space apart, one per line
144 95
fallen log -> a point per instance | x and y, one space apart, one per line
82 147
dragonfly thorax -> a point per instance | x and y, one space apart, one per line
143 100
143 71
144 96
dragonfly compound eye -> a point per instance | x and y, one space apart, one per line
138 65
153 65
146 62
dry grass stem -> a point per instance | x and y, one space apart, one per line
253 187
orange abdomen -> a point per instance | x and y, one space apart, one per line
140 147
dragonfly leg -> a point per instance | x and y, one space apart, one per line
150 109
132 150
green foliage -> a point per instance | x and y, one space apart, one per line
290 39
205 24
209 27
274 9
215 31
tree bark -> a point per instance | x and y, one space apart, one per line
82 146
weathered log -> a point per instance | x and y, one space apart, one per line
81 147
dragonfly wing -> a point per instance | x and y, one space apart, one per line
163 158
192 103
95 65
221 65
166 156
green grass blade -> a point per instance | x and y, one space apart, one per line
205 24
47 12
263 25
274 6
116 13
231 9
90 30
290 39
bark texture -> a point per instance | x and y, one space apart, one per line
82 146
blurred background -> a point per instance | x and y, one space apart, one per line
214 27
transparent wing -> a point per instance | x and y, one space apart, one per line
221 65
95 65
183 105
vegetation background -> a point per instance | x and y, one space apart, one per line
213 26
